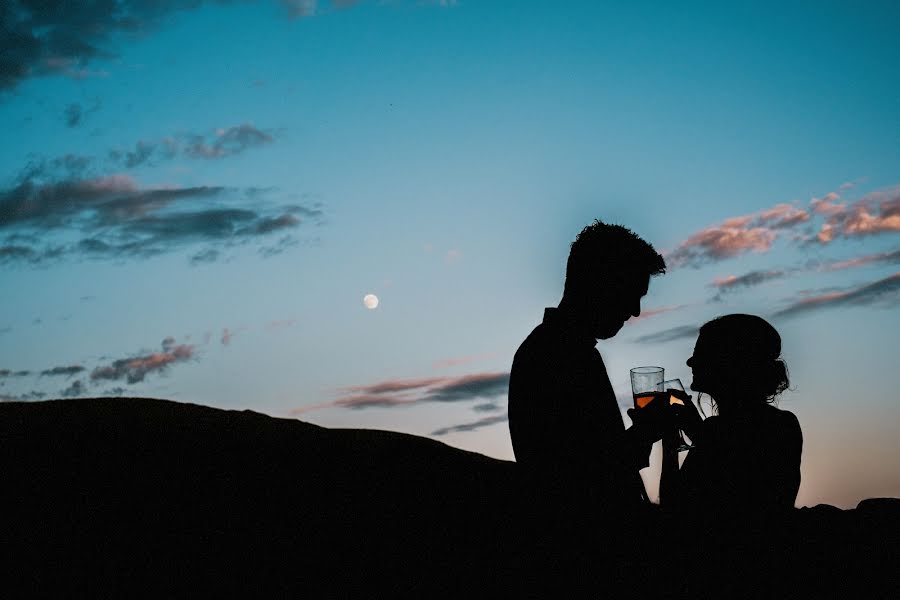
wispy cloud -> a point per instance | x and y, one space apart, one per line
135 369
75 113
470 387
65 371
216 144
64 38
26 397
471 426
302 8
654 312
828 204
210 255
309 8
730 283
884 292
76 389
402 392
669 335
123 219
227 142
396 385
782 216
9 373
358 401
42 38
100 201
892 257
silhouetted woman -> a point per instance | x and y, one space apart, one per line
746 458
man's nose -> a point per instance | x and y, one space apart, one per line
689 362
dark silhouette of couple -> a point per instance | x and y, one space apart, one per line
567 431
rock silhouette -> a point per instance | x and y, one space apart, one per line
142 497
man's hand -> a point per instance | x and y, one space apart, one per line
653 421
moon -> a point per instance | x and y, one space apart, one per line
371 301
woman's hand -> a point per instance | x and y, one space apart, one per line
687 417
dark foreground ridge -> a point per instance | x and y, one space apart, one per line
139 497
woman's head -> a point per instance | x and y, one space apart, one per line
737 360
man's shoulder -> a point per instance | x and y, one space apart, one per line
537 337
540 342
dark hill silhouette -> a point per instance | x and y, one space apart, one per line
141 497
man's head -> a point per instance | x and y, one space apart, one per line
607 274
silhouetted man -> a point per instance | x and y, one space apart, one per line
566 428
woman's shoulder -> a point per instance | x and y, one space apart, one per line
784 418
785 427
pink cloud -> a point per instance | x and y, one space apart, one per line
783 215
357 401
227 334
884 292
134 370
724 281
731 238
737 221
755 232
653 312
400 392
861 261
395 385
827 205
876 213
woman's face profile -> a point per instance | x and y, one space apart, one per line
701 366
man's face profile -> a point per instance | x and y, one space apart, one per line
619 302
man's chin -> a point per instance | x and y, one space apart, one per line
609 331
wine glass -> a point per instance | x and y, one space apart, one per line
667 387
645 382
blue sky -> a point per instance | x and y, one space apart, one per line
195 197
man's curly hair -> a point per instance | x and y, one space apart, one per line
604 254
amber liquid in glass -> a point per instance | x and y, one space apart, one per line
644 398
